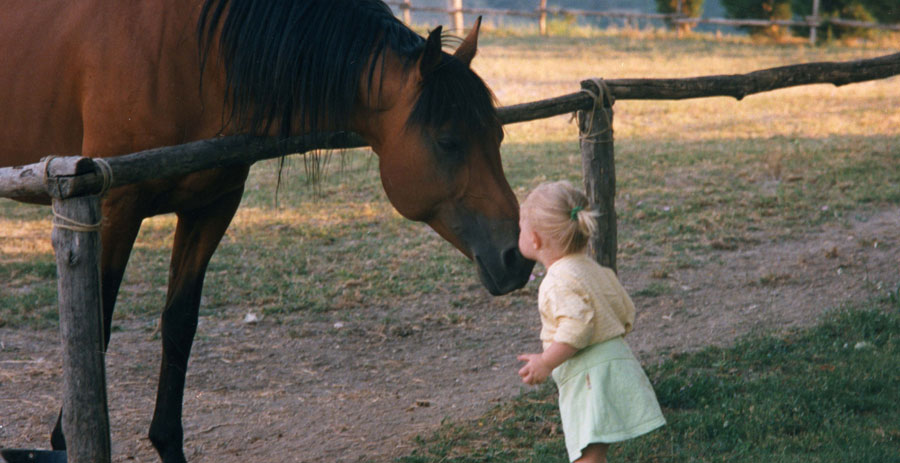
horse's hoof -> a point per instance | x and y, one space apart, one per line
33 456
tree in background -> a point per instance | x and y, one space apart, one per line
689 8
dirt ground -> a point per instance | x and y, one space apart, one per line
360 388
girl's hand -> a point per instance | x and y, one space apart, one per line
535 370
539 366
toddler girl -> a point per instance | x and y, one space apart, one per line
604 394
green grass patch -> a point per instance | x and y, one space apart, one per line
698 197
830 393
654 289
31 295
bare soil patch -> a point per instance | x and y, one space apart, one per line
360 387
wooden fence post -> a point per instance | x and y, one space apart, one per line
542 20
76 241
407 15
456 15
815 20
598 165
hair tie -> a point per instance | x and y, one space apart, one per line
574 214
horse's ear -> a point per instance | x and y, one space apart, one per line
431 57
469 46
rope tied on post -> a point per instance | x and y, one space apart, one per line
598 91
106 173
67 223
46 171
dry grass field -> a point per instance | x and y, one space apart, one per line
735 216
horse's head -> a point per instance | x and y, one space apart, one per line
290 67
437 135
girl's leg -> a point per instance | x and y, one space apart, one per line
594 453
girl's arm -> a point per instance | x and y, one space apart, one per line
539 366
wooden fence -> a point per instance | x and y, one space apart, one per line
74 184
456 11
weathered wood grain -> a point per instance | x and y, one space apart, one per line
599 168
76 241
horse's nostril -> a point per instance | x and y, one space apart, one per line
511 257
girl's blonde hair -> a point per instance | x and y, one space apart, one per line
561 213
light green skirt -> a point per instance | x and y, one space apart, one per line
604 397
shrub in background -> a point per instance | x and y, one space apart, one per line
689 8
885 11
856 11
760 9
562 25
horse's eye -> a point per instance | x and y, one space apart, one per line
449 144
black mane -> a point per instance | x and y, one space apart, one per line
291 62
282 56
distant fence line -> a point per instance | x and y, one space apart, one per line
455 10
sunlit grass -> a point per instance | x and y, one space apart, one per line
22 239
27 266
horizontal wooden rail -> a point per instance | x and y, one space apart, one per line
861 24
733 85
609 14
65 181
808 22
71 177
634 15
536 13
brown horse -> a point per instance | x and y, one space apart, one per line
103 78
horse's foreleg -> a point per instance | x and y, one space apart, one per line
121 223
196 237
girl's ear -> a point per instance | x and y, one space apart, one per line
536 240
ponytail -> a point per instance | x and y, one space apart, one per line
562 213
586 220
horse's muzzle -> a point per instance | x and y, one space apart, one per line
505 272
492 243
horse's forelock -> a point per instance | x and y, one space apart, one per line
454 97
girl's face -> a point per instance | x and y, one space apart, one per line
528 240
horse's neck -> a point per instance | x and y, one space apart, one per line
385 101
